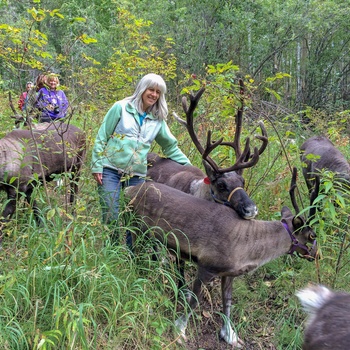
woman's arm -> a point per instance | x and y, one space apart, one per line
168 142
62 103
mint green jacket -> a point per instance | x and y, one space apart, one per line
122 143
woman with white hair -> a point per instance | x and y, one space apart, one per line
119 155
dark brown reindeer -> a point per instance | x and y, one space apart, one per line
214 237
222 185
328 324
328 158
32 155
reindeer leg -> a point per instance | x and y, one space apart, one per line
203 276
73 189
11 203
181 285
33 202
181 322
226 332
10 208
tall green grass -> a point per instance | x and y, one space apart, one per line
65 289
63 285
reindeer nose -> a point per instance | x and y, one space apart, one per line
250 212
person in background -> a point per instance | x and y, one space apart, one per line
119 155
52 103
40 82
32 95
23 98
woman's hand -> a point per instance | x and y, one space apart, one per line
98 178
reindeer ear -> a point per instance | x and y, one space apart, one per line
209 170
297 222
286 213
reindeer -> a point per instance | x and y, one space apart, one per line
225 186
219 241
329 158
222 185
328 324
31 156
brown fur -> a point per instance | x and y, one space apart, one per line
328 326
330 159
190 179
215 237
20 162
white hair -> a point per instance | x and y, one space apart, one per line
313 298
160 108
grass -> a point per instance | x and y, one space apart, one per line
67 290
64 286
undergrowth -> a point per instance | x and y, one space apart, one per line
63 285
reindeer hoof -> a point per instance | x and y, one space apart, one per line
230 337
240 344
181 325
182 339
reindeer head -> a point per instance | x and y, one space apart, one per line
226 184
228 189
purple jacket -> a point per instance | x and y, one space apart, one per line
53 104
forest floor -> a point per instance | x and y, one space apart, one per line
206 335
207 338
205 324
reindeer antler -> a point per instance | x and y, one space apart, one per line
293 186
11 103
189 117
313 196
243 159
190 128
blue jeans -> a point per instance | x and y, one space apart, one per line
112 183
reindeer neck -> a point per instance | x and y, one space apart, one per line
200 189
257 243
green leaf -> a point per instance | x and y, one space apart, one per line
274 93
79 19
51 214
13 179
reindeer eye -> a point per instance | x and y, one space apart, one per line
221 186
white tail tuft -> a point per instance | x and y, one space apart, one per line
313 297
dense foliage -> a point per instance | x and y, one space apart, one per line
99 45
62 285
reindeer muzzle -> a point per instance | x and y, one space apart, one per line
302 250
311 253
